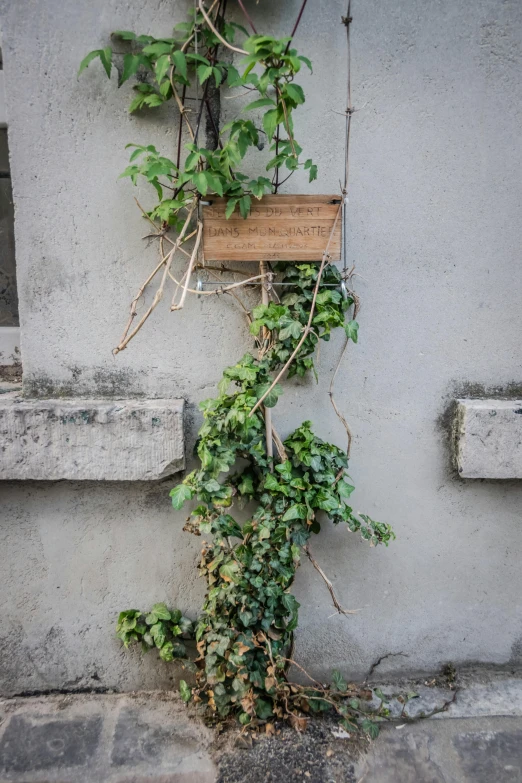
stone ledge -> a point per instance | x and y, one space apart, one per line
104 440
488 439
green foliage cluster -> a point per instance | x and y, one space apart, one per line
244 635
249 615
165 66
159 628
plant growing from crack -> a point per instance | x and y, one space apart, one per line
244 635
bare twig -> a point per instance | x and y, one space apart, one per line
298 665
159 293
283 456
308 325
328 584
188 273
217 33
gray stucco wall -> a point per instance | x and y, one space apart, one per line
435 232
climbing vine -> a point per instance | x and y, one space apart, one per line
244 635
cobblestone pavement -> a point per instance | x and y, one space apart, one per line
152 738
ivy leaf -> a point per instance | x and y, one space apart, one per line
290 602
271 483
285 469
246 618
157 631
291 328
161 611
297 511
255 326
180 61
339 682
263 709
370 728
351 330
272 397
344 489
185 691
179 495
165 652
229 572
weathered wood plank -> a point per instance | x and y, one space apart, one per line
278 228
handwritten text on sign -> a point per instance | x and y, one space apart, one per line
278 228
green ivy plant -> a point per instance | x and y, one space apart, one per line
244 634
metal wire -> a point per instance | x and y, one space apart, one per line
201 283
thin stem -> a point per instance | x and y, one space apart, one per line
276 181
328 584
296 25
180 129
181 107
247 16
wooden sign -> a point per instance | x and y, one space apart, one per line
278 228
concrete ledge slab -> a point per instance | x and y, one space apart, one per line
104 440
488 439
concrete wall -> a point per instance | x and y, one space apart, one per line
435 231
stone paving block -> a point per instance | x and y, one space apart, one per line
488 439
106 440
138 740
491 757
402 758
36 743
